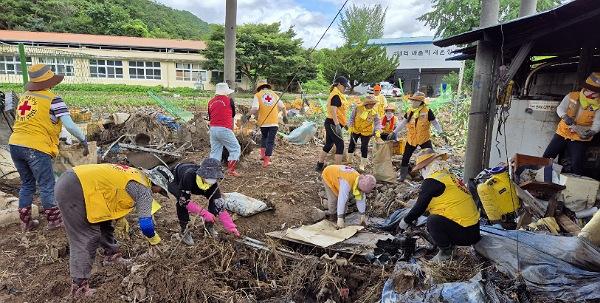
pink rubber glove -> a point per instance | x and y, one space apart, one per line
228 224
196 209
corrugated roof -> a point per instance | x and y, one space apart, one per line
401 40
99 40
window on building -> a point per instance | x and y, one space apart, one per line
216 76
106 69
190 72
11 65
144 70
62 66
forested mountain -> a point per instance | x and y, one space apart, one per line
138 18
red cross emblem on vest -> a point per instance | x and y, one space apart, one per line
268 99
24 108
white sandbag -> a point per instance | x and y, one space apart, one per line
591 230
243 205
303 134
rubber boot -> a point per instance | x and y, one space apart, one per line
445 253
231 168
210 228
115 258
266 161
262 153
320 166
363 163
81 289
54 218
186 238
27 222
403 173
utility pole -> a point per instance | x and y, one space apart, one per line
230 28
528 7
481 100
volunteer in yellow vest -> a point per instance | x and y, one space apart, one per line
417 120
39 118
579 123
388 122
453 216
335 121
380 99
92 196
267 104
340 182
363 124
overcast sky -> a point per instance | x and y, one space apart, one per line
310 18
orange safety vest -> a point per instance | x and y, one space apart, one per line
341 111
33 127
582 116
388 125
268 109
364 127
418 127
333 173
456 203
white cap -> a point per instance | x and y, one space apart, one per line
223 89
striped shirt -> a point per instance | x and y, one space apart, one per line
58 108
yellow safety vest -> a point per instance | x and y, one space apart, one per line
33 126
341 111
361 125
268 111
381 104
455 203
418 127
583 117
104 190
333 173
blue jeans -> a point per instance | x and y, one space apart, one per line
33 166
224 137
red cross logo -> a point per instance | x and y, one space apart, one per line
24 108
268 98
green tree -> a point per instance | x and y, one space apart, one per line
361 23
262 51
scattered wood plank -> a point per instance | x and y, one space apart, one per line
568 225
149 150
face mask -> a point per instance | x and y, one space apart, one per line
210 181
416 104
389 115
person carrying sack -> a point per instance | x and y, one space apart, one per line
363 124
335 121
221 110
453 215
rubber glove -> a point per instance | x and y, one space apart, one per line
154 240
341 223
402 226
122 228
568 120
196 209
228 224
393 137
378 134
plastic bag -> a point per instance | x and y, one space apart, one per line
243 205
383 170
303 134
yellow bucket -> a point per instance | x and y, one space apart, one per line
399 146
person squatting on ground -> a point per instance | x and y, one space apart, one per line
579 123
418 120
335 121
453 216
363 124
90 197
380 99
39 117
340 182
221 110
193 179
388 122
267 104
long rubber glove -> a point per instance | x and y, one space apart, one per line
196 209
228 224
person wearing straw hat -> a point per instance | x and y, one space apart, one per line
39 118
267 104
417 120
335 121
221 110
380 99
193 179
363 124
340 182
453 215
90 197
388 122
579 123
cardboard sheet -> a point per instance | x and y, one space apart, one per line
322 234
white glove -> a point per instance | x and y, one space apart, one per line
403 225
341 223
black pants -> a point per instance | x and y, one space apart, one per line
409 150
332 139
576 150
268 139
446 233
364 144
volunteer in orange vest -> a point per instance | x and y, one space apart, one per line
91 197
363 124
453 218
267 104
579 123
418 120
388 122
39 118
380 99
335 121
341 182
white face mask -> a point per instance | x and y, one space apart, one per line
416 104
389 115
210 181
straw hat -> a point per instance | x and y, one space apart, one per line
369 101
426 156
417 96
391 107
42 77
377 87
260 84
223 89
592 82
